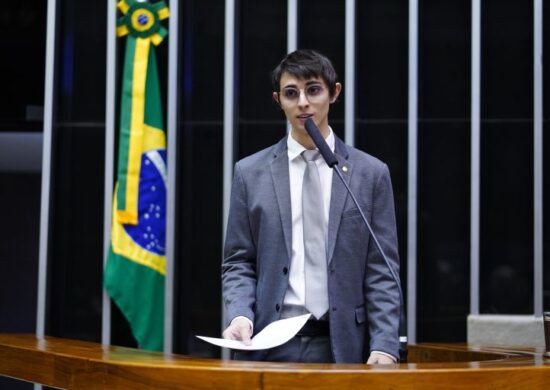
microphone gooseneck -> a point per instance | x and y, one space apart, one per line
332 162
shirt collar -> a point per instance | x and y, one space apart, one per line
295 148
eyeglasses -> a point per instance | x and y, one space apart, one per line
313 93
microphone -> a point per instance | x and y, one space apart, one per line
332 162
320 142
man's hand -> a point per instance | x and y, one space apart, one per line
379 358
239 329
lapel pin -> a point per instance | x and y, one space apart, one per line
344 168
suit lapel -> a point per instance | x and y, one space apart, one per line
281 182
338 195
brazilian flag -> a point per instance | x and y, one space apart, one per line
136 265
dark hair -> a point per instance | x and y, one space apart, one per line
305 64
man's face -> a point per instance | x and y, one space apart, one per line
301 99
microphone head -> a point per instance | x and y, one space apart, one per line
320 142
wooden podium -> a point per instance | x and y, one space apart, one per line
71 364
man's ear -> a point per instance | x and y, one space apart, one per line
337 90
275 96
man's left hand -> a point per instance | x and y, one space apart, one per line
378 358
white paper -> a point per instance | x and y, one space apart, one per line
273 335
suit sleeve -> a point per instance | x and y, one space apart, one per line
239 260
381 290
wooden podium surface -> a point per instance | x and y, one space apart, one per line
72 364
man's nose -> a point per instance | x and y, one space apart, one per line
302 99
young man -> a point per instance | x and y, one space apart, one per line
296 243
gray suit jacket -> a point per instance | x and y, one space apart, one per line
363 297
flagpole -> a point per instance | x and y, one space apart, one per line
172 124
109 159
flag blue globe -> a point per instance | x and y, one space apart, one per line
150 232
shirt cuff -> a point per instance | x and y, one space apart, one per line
249 322
385 354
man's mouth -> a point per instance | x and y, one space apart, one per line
304 116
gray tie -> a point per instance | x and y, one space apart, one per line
314 237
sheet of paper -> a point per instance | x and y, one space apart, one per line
273 335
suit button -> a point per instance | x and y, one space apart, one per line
285 270
333 308
277 307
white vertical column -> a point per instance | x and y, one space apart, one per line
228 121
110 104
475 156
291 34
538 157
292 26
349 88
171 157
46 172
412 171
46 168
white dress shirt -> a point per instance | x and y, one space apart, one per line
296 293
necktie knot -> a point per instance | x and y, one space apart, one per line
311 155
